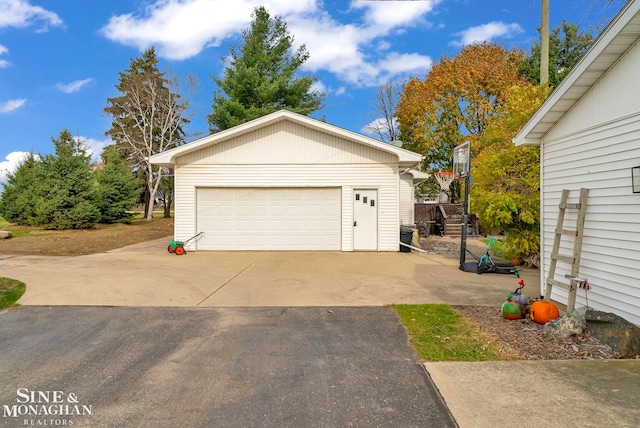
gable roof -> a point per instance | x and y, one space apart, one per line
169 157
621 33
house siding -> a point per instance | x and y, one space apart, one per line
600 159
286 143
406 199
616 95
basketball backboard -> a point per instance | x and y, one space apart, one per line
461 159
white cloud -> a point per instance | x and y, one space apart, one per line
318 86
11 105
338 48
378 126
20 14
383 45
10 163
181 29
74 86
4 63
94 147
383 16
396 63
486 33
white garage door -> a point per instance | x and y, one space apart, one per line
269 218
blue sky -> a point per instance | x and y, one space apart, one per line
59 60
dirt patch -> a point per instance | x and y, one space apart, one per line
449 246
102 238
527 340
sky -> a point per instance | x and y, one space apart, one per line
59 60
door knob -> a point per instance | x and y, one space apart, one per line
355 223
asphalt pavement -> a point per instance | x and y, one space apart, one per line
224 367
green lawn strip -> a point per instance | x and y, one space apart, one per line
10 291
26 233
3 223
438 333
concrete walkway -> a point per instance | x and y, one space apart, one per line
523 393
551 394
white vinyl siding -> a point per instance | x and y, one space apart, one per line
382 177
600 159
616 95
269 218
406 199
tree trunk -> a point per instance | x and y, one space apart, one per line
147 205
152 186
168 199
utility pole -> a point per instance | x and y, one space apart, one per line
544 44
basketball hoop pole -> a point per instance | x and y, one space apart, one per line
461 166
465 222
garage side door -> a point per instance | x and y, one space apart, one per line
269 218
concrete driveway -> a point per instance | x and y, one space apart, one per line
147 275
227 367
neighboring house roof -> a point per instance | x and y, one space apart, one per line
168 158
621 33
418 176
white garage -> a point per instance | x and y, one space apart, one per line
289 182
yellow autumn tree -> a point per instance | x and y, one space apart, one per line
456 100
505 194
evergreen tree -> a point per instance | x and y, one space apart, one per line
19 192
148 118
260 76
566 46
64 192
117 190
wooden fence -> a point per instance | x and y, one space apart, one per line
435 212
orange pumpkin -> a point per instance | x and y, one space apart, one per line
542 311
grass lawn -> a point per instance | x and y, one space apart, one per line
156 214
10 291
3 223
438 333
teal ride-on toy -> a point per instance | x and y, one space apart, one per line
177 247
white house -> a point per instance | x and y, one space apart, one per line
289 182
588 131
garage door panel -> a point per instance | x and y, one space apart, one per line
269 218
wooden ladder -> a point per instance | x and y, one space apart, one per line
573 260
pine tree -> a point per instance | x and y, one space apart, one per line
19 192
148 118
65 194
260 77
566 46
117 190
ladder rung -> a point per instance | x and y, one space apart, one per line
556 283
568 232
570 207
563 258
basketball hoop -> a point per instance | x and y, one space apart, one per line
445 178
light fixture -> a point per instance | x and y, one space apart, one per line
635 179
